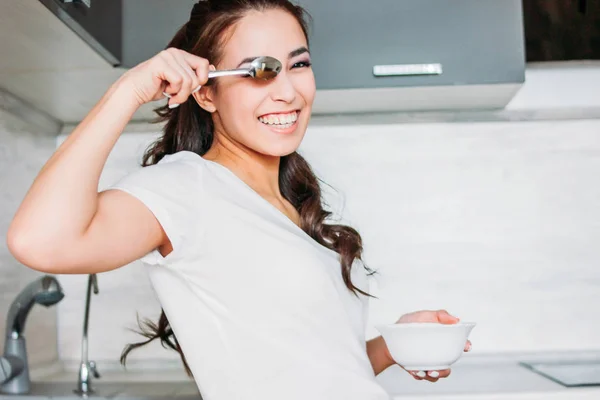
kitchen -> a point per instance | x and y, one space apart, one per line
473 188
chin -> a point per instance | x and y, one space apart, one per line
279 147
280 151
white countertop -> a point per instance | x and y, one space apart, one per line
493 377
482 377
482 381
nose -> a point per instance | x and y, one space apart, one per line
283 89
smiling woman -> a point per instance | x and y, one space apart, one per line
267 300
253 127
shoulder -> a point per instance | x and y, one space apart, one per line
172 189
172 170
182 157
176 174
185 160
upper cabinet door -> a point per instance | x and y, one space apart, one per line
468 41
98 22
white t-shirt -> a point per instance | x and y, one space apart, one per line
259 307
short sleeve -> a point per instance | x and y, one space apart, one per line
170 190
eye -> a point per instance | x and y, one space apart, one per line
302 64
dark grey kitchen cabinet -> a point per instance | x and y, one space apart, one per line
473 41
148 25
98 22
124 32
380 55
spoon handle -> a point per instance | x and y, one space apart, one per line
228 72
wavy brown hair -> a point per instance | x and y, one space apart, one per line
190 127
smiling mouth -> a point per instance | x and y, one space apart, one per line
281 120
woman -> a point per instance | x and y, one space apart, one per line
265 298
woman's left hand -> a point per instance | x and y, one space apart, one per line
439 316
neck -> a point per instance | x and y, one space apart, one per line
258 171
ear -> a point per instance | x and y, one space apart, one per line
204 98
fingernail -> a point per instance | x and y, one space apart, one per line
198 88
421 374
469 345
166 95
434 374
174 105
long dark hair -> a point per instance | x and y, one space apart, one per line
190 127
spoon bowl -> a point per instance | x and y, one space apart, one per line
264 68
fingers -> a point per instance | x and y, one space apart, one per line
431 376
199 65
468 346
442 373
184 73
441 316
446 318
195 67
179 88
173 80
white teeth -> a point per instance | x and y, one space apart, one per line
281 120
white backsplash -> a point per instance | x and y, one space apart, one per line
497 222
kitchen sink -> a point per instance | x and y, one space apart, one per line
111 390
569 373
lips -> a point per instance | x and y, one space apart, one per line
279 119
278 123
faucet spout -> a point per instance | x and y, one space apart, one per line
45 291
14 368
87 368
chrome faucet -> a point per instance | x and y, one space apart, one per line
14 368
84 381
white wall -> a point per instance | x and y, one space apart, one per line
498 222
569 85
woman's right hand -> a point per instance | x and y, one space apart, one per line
172 71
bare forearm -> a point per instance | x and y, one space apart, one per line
63 198
378 355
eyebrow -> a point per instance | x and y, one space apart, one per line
292 54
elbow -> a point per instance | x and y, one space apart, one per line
30 252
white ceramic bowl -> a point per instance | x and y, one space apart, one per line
426 346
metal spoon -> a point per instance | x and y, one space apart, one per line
261 68
265 68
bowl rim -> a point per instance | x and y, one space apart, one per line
425 324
